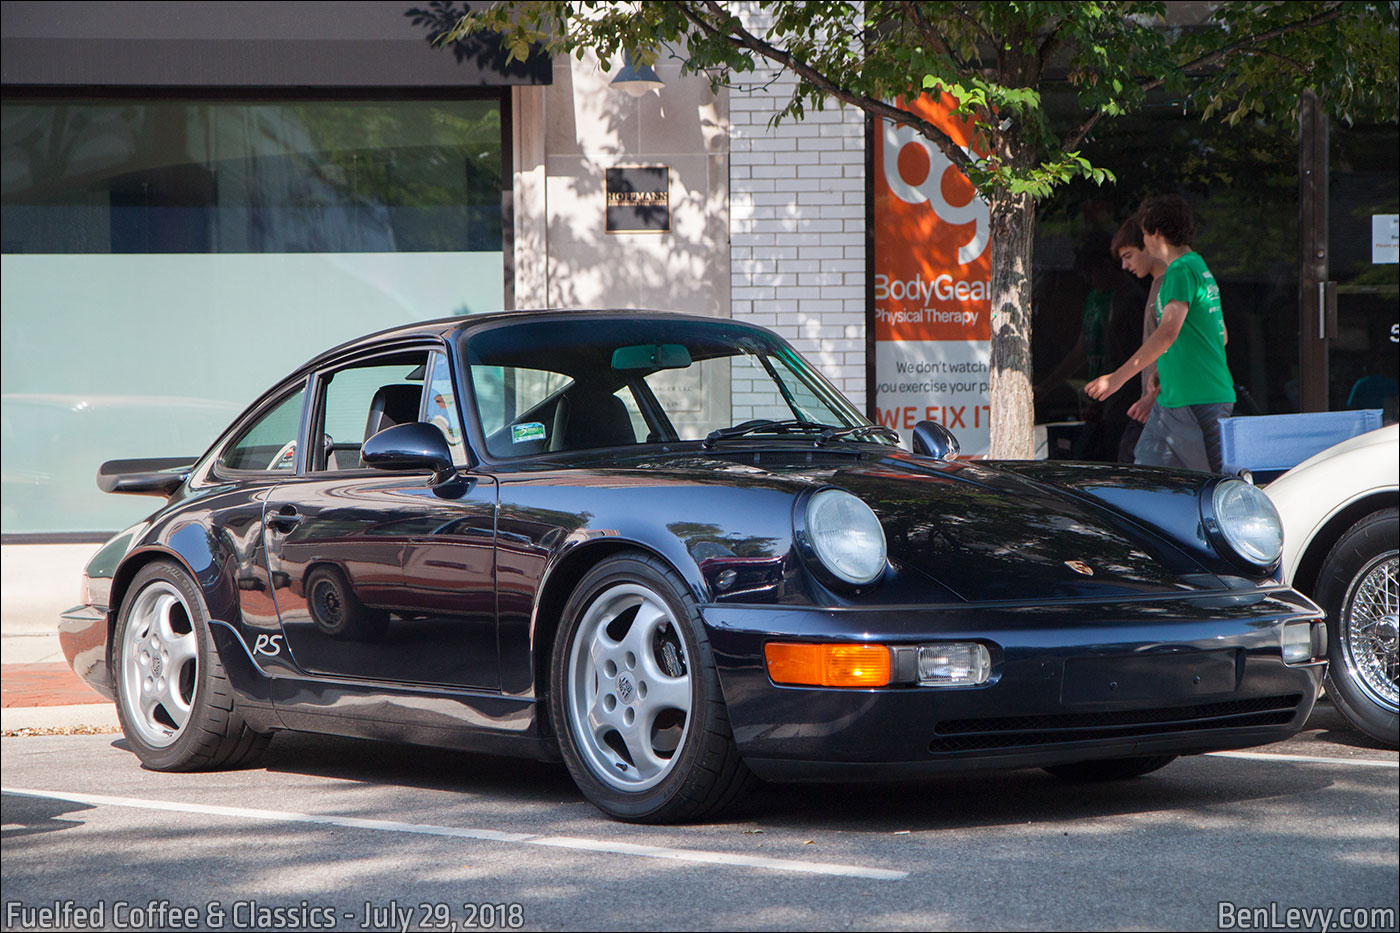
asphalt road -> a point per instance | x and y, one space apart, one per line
350 835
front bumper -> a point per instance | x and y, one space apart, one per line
1071 681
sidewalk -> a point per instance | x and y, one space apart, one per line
48 696
38 691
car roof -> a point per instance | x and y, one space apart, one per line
449 327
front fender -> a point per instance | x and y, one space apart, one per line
549 533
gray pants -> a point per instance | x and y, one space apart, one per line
1187 437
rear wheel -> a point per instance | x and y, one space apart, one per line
1111 769
1358 589
635 697
174 701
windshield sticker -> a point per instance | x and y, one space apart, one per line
529 431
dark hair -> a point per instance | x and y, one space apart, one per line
1129 234
1170 217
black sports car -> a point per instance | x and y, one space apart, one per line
665 549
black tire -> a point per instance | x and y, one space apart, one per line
174 701
337 611
675 765
1361 669
1110 769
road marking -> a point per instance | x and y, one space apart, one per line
1319 759
489 835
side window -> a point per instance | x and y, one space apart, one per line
442 407
358 402
270 443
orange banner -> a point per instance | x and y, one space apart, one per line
932 268
932 265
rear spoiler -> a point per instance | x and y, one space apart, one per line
158 477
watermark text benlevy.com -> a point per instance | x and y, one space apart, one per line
1274 916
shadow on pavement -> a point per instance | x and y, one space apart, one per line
30 816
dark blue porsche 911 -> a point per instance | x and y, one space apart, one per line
666 550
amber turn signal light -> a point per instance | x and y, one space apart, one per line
828 665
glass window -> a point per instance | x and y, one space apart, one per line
1088 313
515 406
640 428
1364 190
270 443
442 407
625 381
180 256
147 176
360 401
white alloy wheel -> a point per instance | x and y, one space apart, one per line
176 705
635 696
629 688
159 664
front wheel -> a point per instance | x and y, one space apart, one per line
174 701
1357 587
635 697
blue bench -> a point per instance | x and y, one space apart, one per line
1272 444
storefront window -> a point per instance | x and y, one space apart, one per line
1242 182
164 262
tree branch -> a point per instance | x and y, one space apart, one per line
972 21
940 46
742 38
1051 45
1077 135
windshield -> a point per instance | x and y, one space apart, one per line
591 382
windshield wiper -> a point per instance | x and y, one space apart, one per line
764 424
831 434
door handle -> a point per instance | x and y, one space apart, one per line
1326 310
278 519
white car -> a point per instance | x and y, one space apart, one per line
1340 523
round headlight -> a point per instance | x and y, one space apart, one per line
1248 522
846 536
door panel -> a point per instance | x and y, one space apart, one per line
360 531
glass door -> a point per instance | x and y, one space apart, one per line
1359 308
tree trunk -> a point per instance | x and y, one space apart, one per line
1013 409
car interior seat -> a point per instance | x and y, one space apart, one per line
587 416
391 405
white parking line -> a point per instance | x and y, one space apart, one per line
1317 759
489 835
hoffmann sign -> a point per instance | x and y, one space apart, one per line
933 274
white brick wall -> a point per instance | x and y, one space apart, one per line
797 223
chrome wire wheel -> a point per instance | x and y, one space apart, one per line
629 688
1369 629
159 665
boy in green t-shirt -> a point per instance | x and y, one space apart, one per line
1188 347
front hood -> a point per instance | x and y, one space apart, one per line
987 534
982 532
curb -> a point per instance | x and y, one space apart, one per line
95 716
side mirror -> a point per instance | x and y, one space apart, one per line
932 439
414 446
